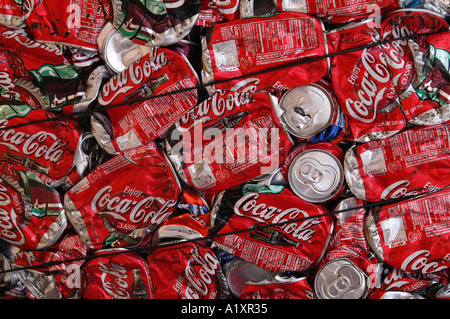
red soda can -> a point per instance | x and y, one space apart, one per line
153 23
252 46
401 236
47 148
121 202
314 171
13 14
209 14
32 211
279 288
226 140
141 119
115 274
252 209
424 87
312 113
72 23
373 111
346 272
409 163
228 8
186 271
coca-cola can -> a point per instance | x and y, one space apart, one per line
314 171
400 235
280 287
239 272
33 213
228 139
373 111
388 169
115 274
312 113
256 8
186 271
395 295
242 219
144 115
155 24
126 198
346 272
242 47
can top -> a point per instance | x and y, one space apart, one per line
316 175
307 110
341 279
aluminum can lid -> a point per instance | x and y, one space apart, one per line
316 175
341 279
307 110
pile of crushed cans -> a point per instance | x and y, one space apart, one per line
224 149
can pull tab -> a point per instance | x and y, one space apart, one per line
347 281
318 176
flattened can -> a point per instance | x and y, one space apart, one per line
346 272
311 112
314 171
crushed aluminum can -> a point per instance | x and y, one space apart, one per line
228 8
250 50
444 292
252 8
143 115
209 14
126 198
346 272
372 111
117 51
186 271
423 88
279 288
409 163
226 140
239 272
297 245
33 215
153 23
13 14
400 235
312 113
72 23
315 171
115 274
338 11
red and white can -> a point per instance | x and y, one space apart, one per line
346 272
144 116
412 235
364 84
253 46
228 139
314 171
186 271
123 201
409 163
295 245
118 274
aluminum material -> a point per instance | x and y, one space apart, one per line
316 175
238 272
400 295
341 279
307 110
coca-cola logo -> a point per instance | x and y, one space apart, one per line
399 279
219 103
147 210
8 219
249 206
418 262
133 76
116 283
20 36
41 144
397 190
200 273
